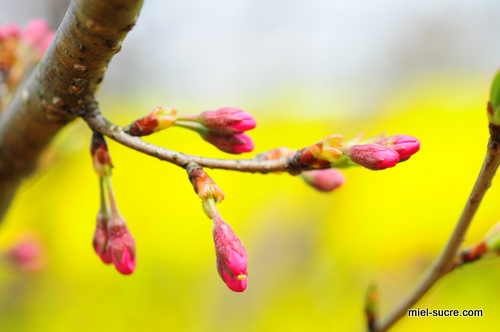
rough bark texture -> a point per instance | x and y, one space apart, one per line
62 86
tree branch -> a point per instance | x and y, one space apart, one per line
62 86
446 261
98 123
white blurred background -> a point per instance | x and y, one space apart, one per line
312 53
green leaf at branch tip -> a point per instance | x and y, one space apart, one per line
495 99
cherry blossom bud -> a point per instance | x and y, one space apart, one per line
494 103
100 239
373 156
158 119
100 156
324 154
36 31
404 145
9 31
121 245
226 120
27 255
235 144
232 258
205 187
324 179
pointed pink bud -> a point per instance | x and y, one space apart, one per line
404 145
227 120
232 258
373 156
28 255
325 179
121 246
235 144
100 240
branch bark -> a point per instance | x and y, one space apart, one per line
446 261
63 86
98 123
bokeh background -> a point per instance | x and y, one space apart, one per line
305 70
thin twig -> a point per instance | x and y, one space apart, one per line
446 261
98 123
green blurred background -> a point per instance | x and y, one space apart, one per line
311 255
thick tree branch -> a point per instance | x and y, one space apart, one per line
98 123
62 86
447 260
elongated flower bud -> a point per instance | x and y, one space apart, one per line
325 180
226 120
373 156
232 258
235 144
158 119
404 145
121 245
100 156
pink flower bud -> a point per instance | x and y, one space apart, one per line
235 144
404 145
232 258
373 156
121 246
227 120
9 30
27 255
100 239
325 179
35 32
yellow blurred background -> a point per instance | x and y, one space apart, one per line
311 255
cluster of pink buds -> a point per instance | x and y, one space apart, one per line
112 240
20 50
375 153
224 128
325 180
231 255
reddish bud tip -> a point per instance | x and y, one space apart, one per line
158 119
235 144
404 145
227 120
100 155
373 156
232 258
121 246
325 180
